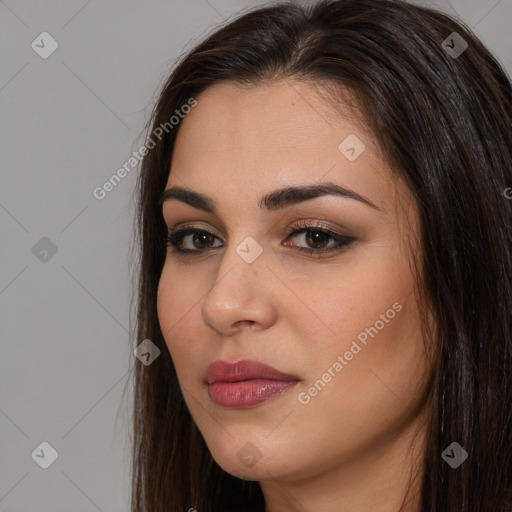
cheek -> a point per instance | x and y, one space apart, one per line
376 393
384 365
176 303
348 300
374 325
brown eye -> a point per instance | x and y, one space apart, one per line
203 239
200 240
317 239
314 239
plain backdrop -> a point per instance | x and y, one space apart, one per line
68 122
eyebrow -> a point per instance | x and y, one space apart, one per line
275 200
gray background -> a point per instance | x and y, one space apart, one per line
68 122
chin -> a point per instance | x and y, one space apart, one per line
253 459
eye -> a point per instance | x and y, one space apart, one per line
314 235
317 238
200 240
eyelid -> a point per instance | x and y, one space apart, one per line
339 229
295 226
319 224
183 226
176 235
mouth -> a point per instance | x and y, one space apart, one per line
245 383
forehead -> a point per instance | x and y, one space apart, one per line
243 141
275 116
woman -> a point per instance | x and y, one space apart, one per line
326 268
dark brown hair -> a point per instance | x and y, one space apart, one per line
444 124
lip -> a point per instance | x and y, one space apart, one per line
245 383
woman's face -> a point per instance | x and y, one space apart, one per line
337 317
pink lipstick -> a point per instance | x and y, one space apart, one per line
245 383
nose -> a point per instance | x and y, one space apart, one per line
241 295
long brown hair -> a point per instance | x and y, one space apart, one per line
444 124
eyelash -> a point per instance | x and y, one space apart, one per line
174 238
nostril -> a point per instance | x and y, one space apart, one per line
248 323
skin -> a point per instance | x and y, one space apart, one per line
357 443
